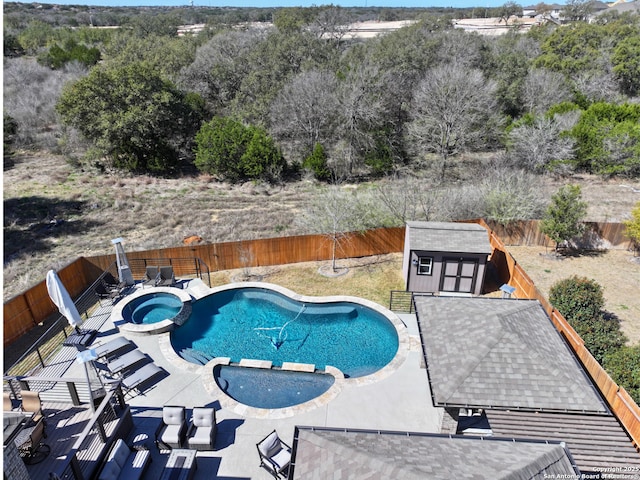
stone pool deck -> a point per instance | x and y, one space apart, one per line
399 400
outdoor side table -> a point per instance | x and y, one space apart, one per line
181 465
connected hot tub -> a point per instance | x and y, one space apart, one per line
152 311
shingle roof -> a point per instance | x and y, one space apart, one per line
501 353
595 441
320 454
448 237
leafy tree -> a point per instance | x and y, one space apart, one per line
58 56
633 227
317 163
577 10
608 139
623 365
167 55
581 301
508 10
154 25
626 64
35 36
563 219
138 120
237 152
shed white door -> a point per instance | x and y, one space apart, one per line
458 275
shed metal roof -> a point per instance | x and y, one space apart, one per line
595 441
319 454
500 353
448 237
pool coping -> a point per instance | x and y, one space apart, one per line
210 385
148 329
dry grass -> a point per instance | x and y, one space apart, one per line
369 277
616 271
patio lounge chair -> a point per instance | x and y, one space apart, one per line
31 404
104 291
202 429
172 430
110 281
151 276
137 378
113 347
275 455
122 364
166 278
32 448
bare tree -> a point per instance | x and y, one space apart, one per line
537 146
362 107
544 88
304 111
331 23
218 69
454 110
407 199
334 213
598 86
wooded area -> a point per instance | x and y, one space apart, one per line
407 102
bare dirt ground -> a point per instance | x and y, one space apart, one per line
616 271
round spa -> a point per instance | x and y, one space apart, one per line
266 324
154 311
152 308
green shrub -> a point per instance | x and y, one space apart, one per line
577 298
563 219
624 367
237 152
317 163
581 301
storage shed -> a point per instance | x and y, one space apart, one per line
446 258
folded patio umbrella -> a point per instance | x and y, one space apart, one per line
61 298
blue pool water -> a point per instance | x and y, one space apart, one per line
152 308
262 324
270 388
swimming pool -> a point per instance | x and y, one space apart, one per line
265 388
264 324
152 308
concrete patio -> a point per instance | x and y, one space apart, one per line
400 401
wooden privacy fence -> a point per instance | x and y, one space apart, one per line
275 251
620 402
598 235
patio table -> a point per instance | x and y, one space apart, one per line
181 465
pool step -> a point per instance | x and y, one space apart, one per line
195 356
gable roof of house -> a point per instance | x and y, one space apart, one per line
500 353
323 453
448 237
